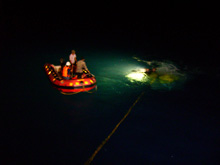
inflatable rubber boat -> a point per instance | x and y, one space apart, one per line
74 85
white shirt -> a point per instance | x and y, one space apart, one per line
72 58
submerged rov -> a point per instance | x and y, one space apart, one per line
74 85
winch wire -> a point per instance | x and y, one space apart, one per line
113 131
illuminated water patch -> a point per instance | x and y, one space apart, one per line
166 75
137 76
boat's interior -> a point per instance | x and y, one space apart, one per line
57 69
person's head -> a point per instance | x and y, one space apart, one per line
73 52
68 63
82 58
61 60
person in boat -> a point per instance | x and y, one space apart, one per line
62 64
73 61
81 67
66 73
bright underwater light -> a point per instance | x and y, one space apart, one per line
137 76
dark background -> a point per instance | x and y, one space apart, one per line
191 29
39 125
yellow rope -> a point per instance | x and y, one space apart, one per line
92 91
113 131
70 93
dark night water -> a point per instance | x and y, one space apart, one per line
172 123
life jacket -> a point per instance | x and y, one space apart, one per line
66 71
